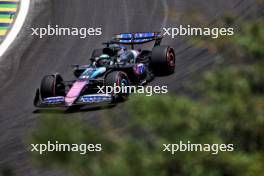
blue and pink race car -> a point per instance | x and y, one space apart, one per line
115 64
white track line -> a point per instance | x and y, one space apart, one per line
11 36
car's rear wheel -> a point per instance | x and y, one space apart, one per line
163 60
52 86
118 79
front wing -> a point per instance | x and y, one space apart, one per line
82 100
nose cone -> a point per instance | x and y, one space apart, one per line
74 92
70 100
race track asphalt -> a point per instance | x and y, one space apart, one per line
21 70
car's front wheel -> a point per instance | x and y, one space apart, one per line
52 86
117 82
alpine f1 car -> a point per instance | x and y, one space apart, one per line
115 64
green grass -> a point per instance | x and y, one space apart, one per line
6 16
4 28
8 5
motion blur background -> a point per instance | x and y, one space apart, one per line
216 94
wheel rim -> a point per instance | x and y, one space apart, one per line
54 88
171 59
57 86
122 82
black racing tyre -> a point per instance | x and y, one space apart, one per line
52 86
120 79
163 60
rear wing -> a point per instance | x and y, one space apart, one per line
137 38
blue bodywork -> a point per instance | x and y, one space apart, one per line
142 37
92 73
86 99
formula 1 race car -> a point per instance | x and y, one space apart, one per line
113 65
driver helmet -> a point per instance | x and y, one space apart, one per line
103 60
